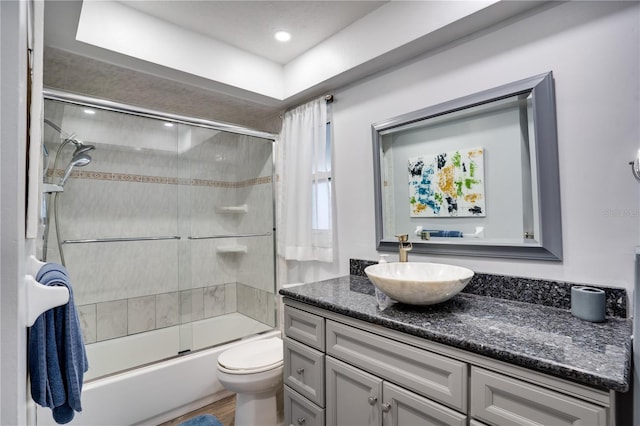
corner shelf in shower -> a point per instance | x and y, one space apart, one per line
232 249
234 209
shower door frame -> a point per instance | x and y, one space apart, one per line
58 95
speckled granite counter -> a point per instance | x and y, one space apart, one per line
542 338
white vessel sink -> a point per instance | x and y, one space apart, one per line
419 283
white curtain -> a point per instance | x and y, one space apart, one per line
301 167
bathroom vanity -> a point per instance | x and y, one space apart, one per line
473 360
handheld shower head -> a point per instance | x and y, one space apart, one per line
79 160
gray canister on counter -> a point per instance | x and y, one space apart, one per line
588 303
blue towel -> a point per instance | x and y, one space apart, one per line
202 420
57 358
444 234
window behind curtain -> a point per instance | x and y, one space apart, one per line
321 181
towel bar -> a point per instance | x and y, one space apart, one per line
266 234
40 298
121 240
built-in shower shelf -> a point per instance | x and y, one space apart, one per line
232 249
234 209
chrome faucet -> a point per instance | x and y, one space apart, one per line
405 247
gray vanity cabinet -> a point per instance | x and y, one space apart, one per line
341 371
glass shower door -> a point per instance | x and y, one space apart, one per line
167 233
118 230
227 257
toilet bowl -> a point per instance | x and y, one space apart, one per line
253 371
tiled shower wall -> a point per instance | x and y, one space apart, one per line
133 190
118 318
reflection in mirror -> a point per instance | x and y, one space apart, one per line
474 176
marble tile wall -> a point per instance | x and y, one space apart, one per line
119 318
257 304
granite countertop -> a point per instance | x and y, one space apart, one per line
542 338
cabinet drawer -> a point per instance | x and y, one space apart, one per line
304 370
434 376
298 411
304 327
501 400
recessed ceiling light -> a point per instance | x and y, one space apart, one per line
282 36
89 111
167 124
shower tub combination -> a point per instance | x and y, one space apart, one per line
167 231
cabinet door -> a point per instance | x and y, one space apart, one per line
404 408
353 397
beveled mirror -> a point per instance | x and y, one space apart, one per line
475 176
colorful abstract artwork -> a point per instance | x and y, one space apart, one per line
449 184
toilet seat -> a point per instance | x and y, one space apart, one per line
253 357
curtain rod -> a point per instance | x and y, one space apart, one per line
327 98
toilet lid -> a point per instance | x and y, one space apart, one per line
256 355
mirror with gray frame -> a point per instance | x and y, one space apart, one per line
474 176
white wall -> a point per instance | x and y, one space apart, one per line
13 125
592 49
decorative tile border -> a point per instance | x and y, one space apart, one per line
529 290
125 177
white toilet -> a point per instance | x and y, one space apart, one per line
253 371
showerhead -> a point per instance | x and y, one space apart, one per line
78 160
81 148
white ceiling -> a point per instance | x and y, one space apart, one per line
250 25
227 47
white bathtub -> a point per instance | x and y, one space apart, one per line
153 394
